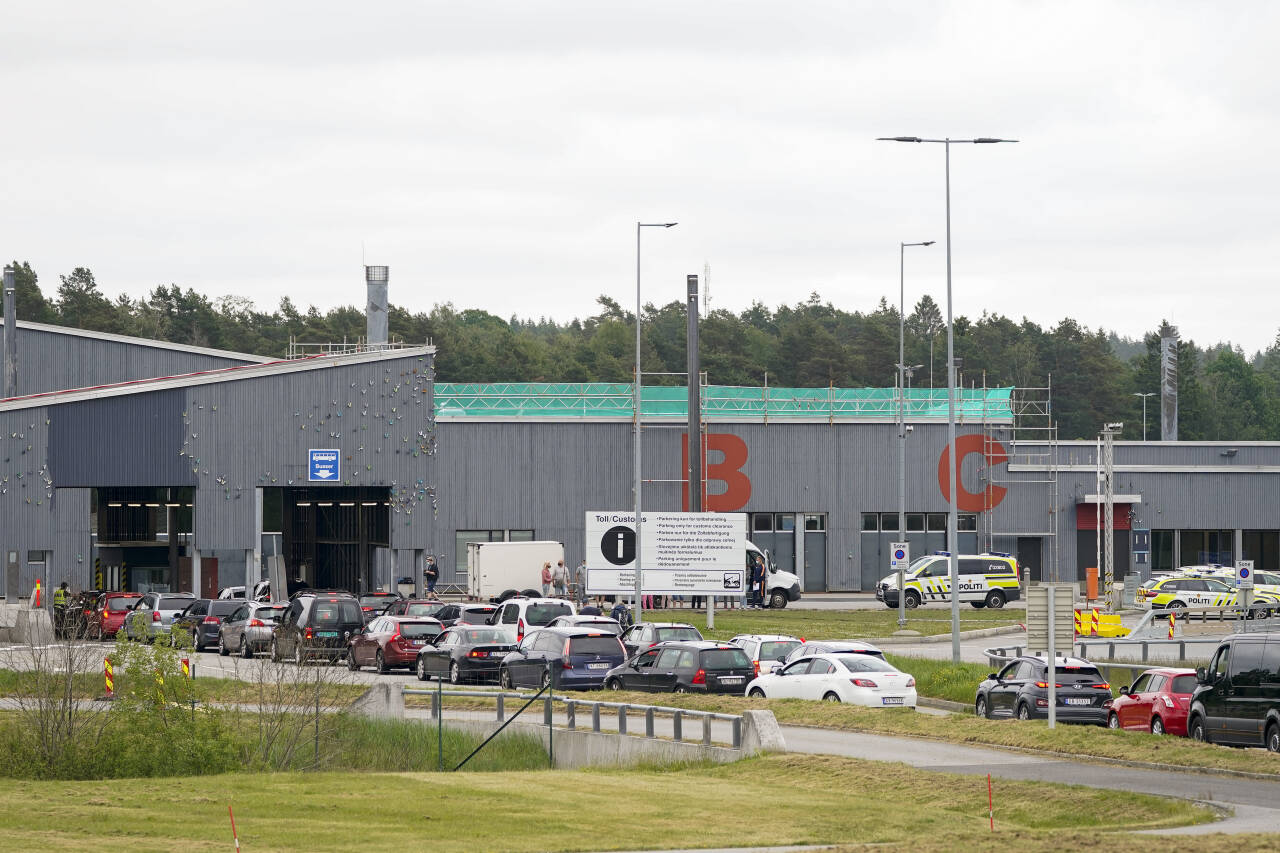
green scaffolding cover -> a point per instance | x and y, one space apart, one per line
728 402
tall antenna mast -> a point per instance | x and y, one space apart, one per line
706 289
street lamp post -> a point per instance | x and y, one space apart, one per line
954 513
902 415
1144 411
635 608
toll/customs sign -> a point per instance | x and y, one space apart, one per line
1244 574
899 557
701 553
324 466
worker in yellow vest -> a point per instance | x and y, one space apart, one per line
61 596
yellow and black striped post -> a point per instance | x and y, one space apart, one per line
186 667
97 574
108 675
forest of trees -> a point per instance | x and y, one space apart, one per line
1223 394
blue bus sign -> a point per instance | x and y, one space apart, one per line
324 466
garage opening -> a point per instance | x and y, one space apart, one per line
337 537
140 537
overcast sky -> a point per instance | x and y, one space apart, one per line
498 155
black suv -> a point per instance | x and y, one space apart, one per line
1238 698
1021 690
316 624
688 667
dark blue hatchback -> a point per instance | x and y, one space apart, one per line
570 658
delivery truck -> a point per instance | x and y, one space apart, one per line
497 567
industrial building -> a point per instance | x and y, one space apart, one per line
138 464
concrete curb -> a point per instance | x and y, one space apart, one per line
1065 756
975 634
943 704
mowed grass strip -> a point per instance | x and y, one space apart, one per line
1081 742
810 800
834 624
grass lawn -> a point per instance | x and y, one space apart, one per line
787 799
835 624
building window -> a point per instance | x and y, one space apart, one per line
1162 551
784 521
36 557
1207 547
762 522
815 523
967 522
889 522
1263 547
915 522
870 522
937 522
519 535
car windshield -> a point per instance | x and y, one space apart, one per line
224 607
541 614
121 602
866 663
484 635
775 649
376 599
174 602
596 646
268 614
423 609
666 635
605 627
724 659
419 630
1074 674
476 614
1183 684
336 610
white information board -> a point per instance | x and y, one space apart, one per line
681 553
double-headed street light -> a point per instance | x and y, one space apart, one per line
1144 410
639 225
902 416
954 514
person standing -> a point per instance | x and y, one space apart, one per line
431 574
546 579
560 579
580 582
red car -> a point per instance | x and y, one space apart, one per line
1157 702
108 617
392 641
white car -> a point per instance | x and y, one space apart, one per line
768 652
852 678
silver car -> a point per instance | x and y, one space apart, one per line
152 616
248 629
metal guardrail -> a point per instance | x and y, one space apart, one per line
1152 622
593 710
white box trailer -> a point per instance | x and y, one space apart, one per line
496 567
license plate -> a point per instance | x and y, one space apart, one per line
731 679
417 642
891 700
497 654
597 666
1079 701
326 633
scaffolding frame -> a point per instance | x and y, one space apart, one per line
1030 442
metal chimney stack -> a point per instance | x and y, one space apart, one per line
1168 382
10 333
695 402
376 311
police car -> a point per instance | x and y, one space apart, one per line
986 580
1182 591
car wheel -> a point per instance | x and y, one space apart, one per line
977 605
422 669
778 599
1113 721
223 651
911 599
455 673
831 697
1178 609
1157 726
995 599
680 688
1273 738
504 679
756 693
1024 711
546 678
275 651
1198 731
244 648
195 642
351 661
298 657
980 708
96 633
613 684
380 663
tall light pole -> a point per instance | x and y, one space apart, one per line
1144 411
902 415
636 611
953 516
